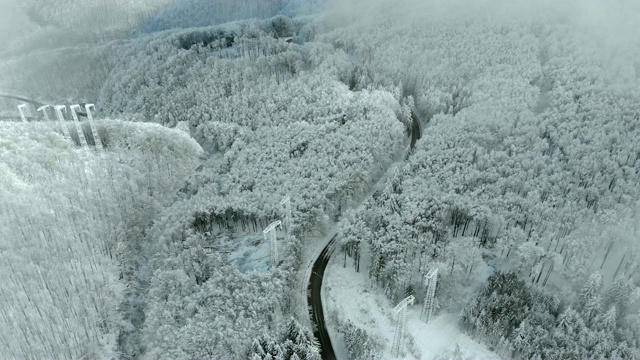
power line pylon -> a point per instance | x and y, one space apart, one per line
43 108
21 108
78 126
401 312
285 207
270 235
430 280
94 130
58 109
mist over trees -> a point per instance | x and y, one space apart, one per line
522 190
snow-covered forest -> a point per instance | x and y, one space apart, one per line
145 240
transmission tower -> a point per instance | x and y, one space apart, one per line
58 109
430 280
285 207
270 236
94 130
21 108
401 312
76 122
43 108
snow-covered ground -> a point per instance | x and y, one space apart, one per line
348 295
251 253
441 336
246 249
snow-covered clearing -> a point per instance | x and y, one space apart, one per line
440 337
348 295
251 252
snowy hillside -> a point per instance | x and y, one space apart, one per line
70 223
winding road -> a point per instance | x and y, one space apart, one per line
314 287
315 301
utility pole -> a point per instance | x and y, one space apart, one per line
270 235
285 207
401 312
430 280
21 108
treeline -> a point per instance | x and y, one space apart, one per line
296 343
199 13
519 320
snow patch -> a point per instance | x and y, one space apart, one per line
251 253
349 296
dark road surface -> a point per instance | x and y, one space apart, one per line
315 301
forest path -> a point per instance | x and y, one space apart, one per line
314 286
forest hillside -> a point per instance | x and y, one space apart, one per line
522 189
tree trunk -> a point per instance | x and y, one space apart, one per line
620 265
609 247
345 258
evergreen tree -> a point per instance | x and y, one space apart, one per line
620 294
591 289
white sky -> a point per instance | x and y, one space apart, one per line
13 22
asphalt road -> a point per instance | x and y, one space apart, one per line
315 301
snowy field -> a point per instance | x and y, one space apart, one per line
348 295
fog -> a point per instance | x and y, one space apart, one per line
607 29
33 32
46 46
612 19
13 22
73 18
30 25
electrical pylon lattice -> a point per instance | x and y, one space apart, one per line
94 130
285 207
76 123
21 108
43 108
430 280
58 109
401 312
270 236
